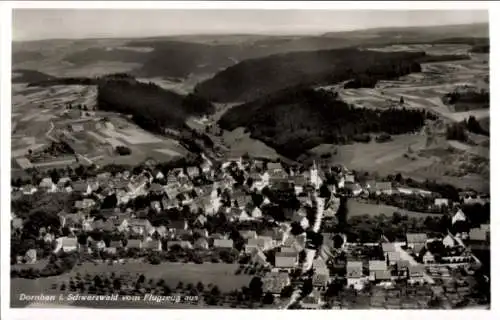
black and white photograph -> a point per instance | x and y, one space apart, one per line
193 158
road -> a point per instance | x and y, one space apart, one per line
79 156
405 256
310 253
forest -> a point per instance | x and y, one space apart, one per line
297 119
151 107
253 78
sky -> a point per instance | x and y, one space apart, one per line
37 24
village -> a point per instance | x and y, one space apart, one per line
281 224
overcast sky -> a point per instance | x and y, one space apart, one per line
35 24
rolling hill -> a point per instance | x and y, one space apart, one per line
297 119
253 78
192 55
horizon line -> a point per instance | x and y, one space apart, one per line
271 34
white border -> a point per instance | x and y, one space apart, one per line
5 20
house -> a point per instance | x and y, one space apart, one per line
140 227
485 227
237 214
275 168
62 182
441 202
382 275
156 206
48 238
256 213
320 280
161 231
47 185
241 199
68 244
84 204
81 187
134 244
103 177
312 301
393 257
120 223
428 258
402 268
277 235
285 260
169 203
157 174
275 282
248 234
459 216
479 235
449 241
383 188
354 273
30 256
154 245
416 272
177 226
71 221
201 232
350 178
388 247
193 171
375 266
115 244
302 220
172 178
414 240
97 246
223 243
200 221
321 275
201 243
259 257
28 189
263 243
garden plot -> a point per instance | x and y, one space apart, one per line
131 136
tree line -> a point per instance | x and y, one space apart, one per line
297 119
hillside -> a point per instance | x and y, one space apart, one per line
180 57
29 76
250 79
150 106
421 33
297 119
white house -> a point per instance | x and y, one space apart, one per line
448 241
428 258
439 202
354 274
459 216
256 213
66 244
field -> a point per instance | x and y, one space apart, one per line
382 157
39 116
424 90
463 165
240 143
218 274
357 208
